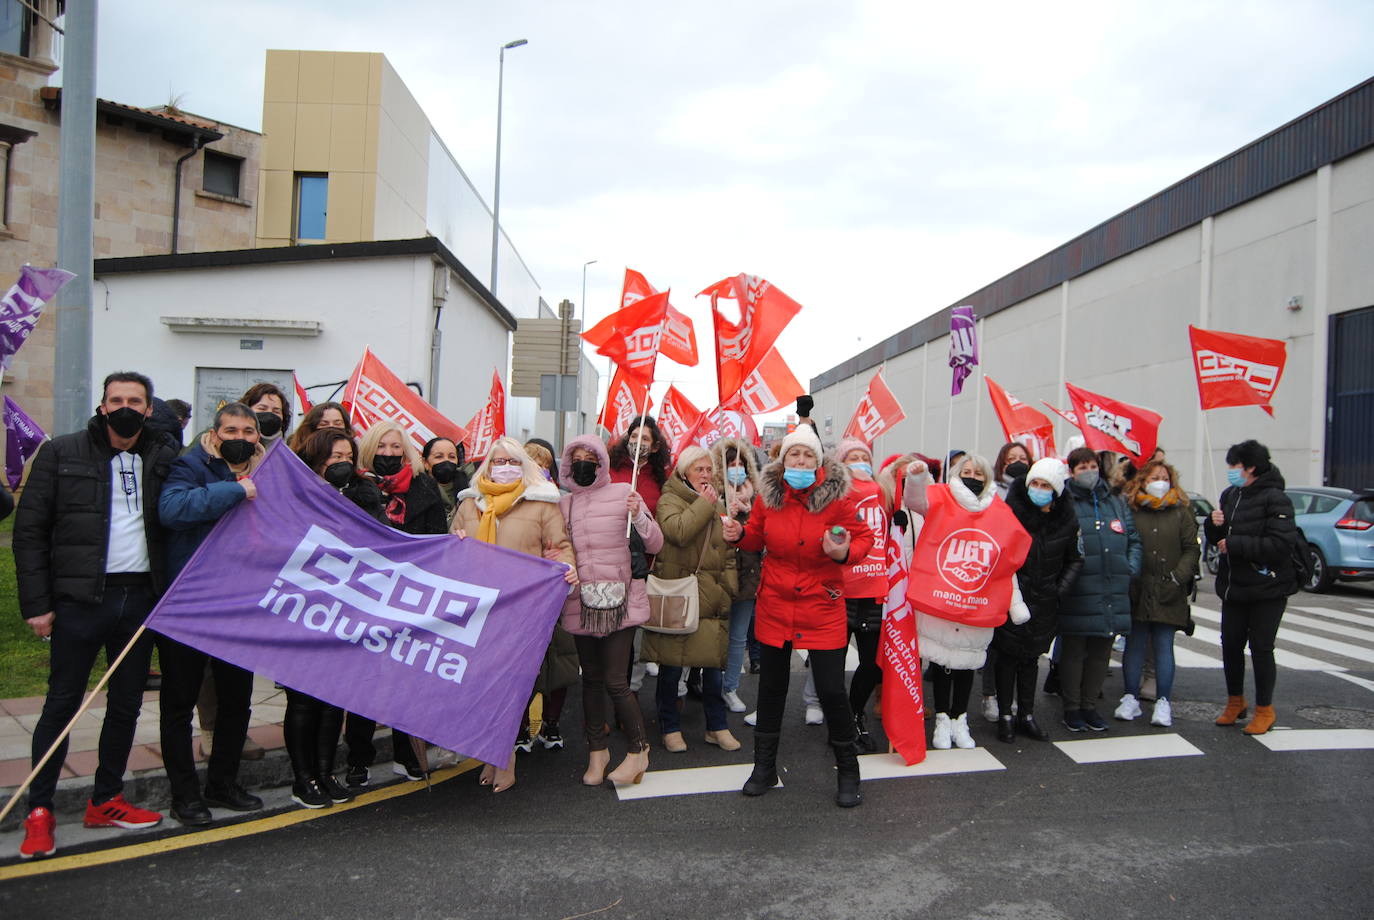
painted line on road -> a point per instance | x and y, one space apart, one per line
1318 739
1282 657
1358 681
1312 622
1184 657
937 763
690 781
44 866
1296 637
1139 747
1330 613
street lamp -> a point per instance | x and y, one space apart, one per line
582 327
496 193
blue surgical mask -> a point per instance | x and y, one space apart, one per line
1040 497
736 475
1235 477
864 468
799 478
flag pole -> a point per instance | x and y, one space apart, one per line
1207 460
634 474
949 439
52 749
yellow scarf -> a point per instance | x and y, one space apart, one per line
501 497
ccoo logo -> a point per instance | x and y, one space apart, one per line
966 558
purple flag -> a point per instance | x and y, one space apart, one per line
963 346
22 437
23 304
439 636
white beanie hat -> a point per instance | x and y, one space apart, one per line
1050 469
806 437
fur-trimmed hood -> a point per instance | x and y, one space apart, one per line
832 483
745 452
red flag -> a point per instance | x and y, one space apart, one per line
631 335
741 347
626 398
877 411
375 393
1021 421
679 335
488 424
899 654
302 401
771 386
720 423
1110 424
1236 370
1071 417
676 418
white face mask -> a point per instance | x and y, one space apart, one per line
1159 488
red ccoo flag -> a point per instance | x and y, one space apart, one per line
676 418
1021 421
741 347
626 398
771 386
1109 424
489 423
679 335
877 411
374 393
631 336
302 401
1236 370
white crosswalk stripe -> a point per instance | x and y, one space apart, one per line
1311 638
1288 635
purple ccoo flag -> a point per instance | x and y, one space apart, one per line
963 346
22 438
23 304
439 636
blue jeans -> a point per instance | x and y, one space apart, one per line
665 695
1161 636
741 615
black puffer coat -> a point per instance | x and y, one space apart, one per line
1260 534
1050 569
1099 601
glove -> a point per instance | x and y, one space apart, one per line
804 405
899 518
1020 613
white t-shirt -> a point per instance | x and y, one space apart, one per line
128 539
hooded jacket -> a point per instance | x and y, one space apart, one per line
1050 568
801 589
595 516
1099 601
1260 534
1169 556
747 564
200 489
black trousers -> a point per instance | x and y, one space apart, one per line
183 669
867 674
1017 674
79 632
311 731
1255 624
827 666
950 690
358 732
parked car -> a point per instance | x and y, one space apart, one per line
1202 510
1338 525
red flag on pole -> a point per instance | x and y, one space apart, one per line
899 655
302 400
1021 421
631 336
1109 424
877 411
771 386
741 347
374 393
679 335
676 418
623 401
489 423
1069 416
1236 370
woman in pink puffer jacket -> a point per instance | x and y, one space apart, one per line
603 613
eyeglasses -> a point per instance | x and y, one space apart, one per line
504 461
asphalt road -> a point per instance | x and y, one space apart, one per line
1237 831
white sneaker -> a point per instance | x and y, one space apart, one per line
651 668
682 684
940 738
1163 716
1129 708
752 718
990 709
959 733
734 703
814 716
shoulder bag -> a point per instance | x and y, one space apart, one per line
675 603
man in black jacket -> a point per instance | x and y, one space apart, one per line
91 562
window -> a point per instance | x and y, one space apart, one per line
1300 500
221 175
1323 504
312 200
14 28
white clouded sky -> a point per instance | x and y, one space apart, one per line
875 160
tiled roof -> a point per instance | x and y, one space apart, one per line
168 118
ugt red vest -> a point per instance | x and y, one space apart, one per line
965 561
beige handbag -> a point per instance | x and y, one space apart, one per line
675 603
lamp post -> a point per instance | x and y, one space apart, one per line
582 327
496 192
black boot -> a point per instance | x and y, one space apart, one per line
1026 725
861 736
1006 729
847 793
765 775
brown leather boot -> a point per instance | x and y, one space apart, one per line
1261 721
1235 709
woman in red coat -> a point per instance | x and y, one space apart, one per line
805 520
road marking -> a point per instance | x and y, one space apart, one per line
1185 657
1318 739
691 781
1358 681
228 832
1281 656
1341 615
1298 619
1344 649
1139 747
937 763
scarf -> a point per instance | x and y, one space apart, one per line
1171 499
396 488
501 497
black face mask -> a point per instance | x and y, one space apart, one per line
584 472
445 471
236 451
269 424
1016 470
973 485
387 466
338 474
125 422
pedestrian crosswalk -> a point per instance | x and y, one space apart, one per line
1311 637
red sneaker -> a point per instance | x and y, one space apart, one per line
38 834
119 813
